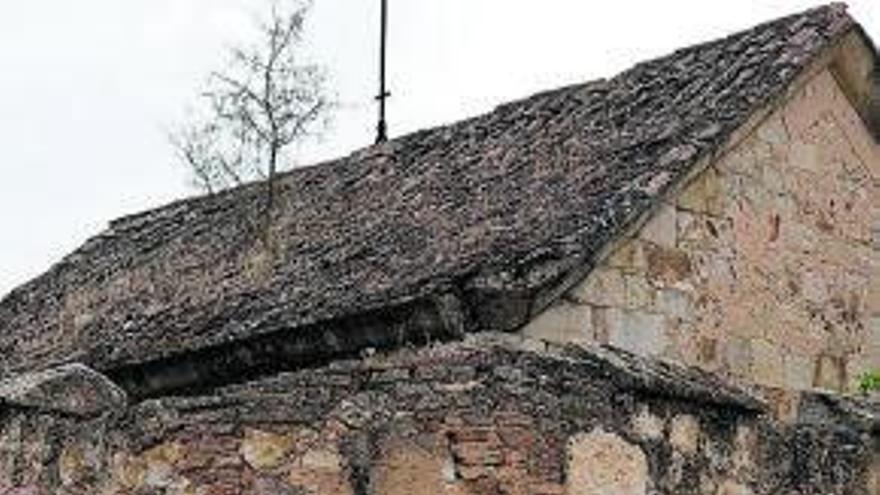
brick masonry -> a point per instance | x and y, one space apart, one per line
764 267
460 419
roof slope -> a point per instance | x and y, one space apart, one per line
511 200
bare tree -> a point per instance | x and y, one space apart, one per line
264 101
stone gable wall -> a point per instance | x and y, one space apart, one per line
765 267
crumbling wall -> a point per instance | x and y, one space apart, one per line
764 267
465 419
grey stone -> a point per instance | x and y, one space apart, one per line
70 389
564 322
638 332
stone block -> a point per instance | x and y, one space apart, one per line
875 236
628 257
159 463
478 453
763 152
708 352
830 373
745 446
704 194
798 372
601 323
740 161
261 485
639 293
767 367
128 471
602 463
321 470
684 434
805 156
783 404
322 459
638 332
773 131
873 301
602 287
773 178
562 323
874 333
405 468
661 228
647 425
668 267
675 304
72 465
264 450
856 365
697 232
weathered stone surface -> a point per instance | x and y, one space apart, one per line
563 322
639 332
668 267
321 470
264 450
72 389
799 371
704 195
716 279
497 209
768 367
684 433
477 418
602 463
771 277
661 230
409 468
629 256
830 373
72 468
647 425
604 287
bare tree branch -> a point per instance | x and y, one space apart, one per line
263 102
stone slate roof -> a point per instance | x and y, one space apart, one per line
473 219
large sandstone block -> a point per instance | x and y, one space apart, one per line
661 229
602 463
638 332
563 322
704 194
603 287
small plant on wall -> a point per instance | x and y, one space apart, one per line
869 382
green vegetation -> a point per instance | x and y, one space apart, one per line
869 381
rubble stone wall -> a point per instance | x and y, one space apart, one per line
765 267
455 419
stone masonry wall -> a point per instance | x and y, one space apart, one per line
766 267
459 419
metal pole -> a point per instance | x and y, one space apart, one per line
382 130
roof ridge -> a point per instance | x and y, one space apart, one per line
840 8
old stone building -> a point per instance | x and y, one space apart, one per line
664 282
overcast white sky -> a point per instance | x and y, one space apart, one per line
88 87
